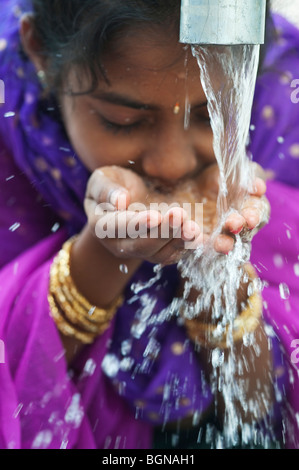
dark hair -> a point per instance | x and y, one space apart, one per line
76 32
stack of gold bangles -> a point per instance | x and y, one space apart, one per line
71 311
207 334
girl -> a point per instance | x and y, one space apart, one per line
93 114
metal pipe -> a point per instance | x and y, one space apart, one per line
223 22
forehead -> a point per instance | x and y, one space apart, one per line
150 57
152 48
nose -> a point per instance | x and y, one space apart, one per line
171 155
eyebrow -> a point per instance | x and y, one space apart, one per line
122 100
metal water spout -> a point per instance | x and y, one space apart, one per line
223 22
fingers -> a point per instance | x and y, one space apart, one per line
148 234
224 244
253 216
103 194
259 183
163 238
234 223
186 235
249 218
259 187
132 229
256 212
102 189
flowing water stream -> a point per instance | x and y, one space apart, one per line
228 76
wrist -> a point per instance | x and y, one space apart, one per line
205 330
97 272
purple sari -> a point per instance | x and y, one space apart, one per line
139 374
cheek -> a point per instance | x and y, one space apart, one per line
204 146
94 145
84 145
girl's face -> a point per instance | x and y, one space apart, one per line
137 120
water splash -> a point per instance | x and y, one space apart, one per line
284 291
228 76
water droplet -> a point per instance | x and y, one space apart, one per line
248 339
126 364
55 227
42 440
123 268
284 291
296 269
217 357
110 365
14 227
126 346
89 367
17 410
278 260
252 127
9 114
74 414
280 140
187 114
91 310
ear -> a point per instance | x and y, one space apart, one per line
30 42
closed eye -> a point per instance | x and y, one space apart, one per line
116 127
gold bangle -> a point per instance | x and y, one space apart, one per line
95 313
64 327
73 314
211 336
72 309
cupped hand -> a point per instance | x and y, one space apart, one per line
253 214
119 206
121 210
